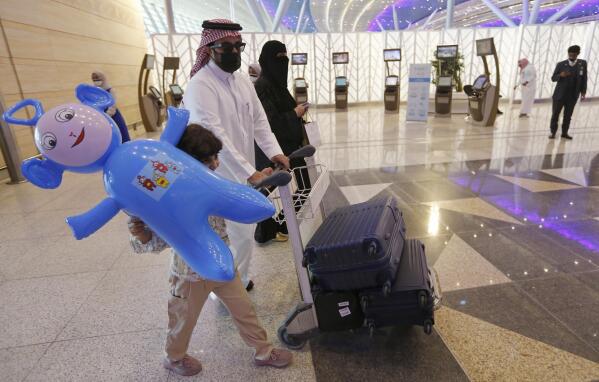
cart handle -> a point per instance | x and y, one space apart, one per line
303 152
277 179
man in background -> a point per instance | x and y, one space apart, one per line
571 78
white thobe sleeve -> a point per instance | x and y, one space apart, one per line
202 103
263 135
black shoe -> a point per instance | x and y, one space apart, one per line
499 112
566 136
552 136
250 286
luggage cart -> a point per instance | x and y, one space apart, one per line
298 205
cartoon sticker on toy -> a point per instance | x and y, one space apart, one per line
158 166
159 173
161 181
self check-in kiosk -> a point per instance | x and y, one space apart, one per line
446 56
151 107
484 97
392 58
173 92
341 83
300 87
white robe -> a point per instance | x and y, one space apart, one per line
227 105
528 74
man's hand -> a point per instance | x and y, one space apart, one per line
564 74
583 97
281 160
137 228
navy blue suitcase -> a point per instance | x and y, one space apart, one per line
357 247
412 298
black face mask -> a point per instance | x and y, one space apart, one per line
279 69
230 61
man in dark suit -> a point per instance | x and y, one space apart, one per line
571 78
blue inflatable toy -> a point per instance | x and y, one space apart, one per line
166 188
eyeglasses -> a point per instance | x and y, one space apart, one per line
227 47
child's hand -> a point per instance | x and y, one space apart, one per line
267 171
137 228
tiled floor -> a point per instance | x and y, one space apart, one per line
510 221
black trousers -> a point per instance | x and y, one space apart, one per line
567 104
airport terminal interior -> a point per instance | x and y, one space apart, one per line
441 111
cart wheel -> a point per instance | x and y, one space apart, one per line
428 327
290 341
387 288
422 299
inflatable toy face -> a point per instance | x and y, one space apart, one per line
73 135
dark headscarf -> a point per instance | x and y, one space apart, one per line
274 68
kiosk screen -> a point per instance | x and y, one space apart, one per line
485 47
149 61
341 81
300 83
155 92
444 81
480 82
392 54
340 58
447 51
299 58
176 90
391 81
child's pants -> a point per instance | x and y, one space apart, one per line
186 302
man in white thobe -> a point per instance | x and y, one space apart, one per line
528 86
224 101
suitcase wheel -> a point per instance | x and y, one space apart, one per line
364 303
422 299
290 341
372 250
387 288
371 328
428 327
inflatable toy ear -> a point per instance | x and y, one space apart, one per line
42 173
175 125
39 110
93 96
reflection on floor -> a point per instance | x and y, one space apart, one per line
510 221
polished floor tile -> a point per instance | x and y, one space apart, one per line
120 357
36 310
490 353
461 267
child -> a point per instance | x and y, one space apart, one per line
189 291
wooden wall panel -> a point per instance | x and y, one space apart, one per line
56 44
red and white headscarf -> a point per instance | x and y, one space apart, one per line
208 37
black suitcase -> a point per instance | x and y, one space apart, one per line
411 301
338 311
357 247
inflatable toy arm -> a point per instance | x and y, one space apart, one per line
95 97
39 110
176 125
42 173
89 222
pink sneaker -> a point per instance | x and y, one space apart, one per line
278 358
187 366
